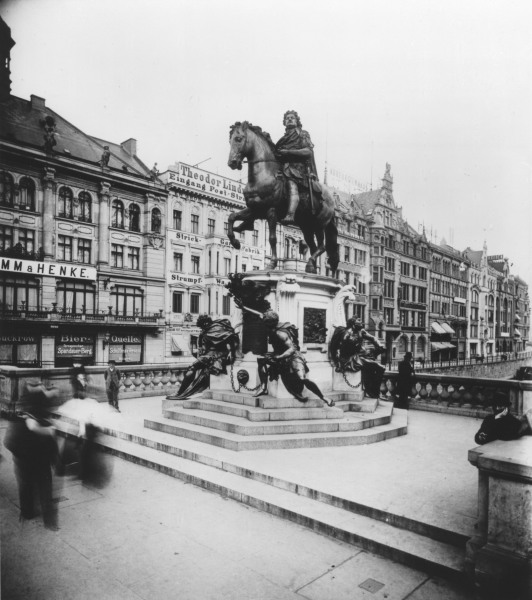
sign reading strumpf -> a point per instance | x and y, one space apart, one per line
50 269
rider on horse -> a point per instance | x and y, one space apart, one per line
298 168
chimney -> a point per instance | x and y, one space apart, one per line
130 146
6 43
37 102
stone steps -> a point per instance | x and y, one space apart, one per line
419 545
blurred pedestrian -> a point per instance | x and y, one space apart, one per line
30 437
78 380
112 384
502 425
405 381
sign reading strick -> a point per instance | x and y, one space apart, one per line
50 269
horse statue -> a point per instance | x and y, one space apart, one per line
265 197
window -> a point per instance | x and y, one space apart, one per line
388 315
85 207
117 214
178 262
347 254
194 223
7 189
64 247
133 257
375 303
26 238
389 264
405 291
84 251
414 271
65 203
156 220
226 227
127 300
422 273
389 288
361 231
377 274
75 297
134 217
405 269
422 295
26 195
194 303
14 291
211 225
117 255
195 264
177 302
227 266
255 239
6 237
244 267
177 219
226 305
421 319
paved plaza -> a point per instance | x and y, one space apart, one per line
150 536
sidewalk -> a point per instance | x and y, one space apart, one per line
149 536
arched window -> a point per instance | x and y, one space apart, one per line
65 203
156 220
287 245
26 197
134 217
85 207
117 214
7 189
403 344
421 346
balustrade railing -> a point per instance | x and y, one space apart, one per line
60 313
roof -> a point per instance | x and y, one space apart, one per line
368 200
21 123
475 256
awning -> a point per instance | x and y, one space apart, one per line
448 329
437 346
447 345
517 333
437 328
178 343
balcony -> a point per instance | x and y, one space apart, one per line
65 315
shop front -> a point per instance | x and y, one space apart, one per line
20 348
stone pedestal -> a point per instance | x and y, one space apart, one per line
500 554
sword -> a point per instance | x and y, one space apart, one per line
311 196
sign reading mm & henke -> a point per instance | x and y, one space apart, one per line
33 267
197 179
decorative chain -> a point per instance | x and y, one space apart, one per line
241 385
349 383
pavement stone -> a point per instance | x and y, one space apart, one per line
149 536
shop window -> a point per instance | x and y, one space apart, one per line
75 297
117 214
128 301
177 302
7 189
64 247
134 217
74 345
126 349
18 292
194 303
84 251
26 195
85 207
20 349
66 203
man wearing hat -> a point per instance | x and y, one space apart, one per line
502 425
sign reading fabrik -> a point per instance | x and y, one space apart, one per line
197 179
51 269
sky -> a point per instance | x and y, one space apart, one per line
440 91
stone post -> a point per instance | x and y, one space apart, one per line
103 225
49 186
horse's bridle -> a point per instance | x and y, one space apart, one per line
252 162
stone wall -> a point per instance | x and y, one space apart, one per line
496 370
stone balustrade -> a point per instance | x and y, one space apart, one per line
467 396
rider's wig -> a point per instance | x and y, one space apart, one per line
355 323
292 112
203 321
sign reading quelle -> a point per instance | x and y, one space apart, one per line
204 181
50 269
74 345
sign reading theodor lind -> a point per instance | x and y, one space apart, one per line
191 177
50 269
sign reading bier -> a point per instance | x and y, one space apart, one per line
50 269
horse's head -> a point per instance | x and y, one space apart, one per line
237 139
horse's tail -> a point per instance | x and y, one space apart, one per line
331 245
